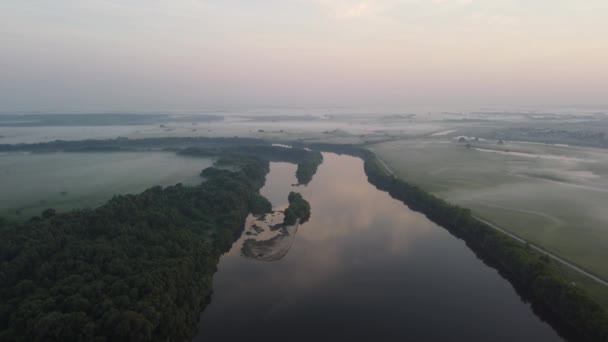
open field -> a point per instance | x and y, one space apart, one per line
31 183
553 196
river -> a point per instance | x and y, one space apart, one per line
363 268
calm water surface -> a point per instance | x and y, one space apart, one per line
364 268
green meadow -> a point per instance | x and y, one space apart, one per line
552 195
31 183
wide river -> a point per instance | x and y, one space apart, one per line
364 268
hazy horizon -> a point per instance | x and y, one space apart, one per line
162 55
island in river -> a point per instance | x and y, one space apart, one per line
140 267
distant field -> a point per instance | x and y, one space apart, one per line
31 183
554 196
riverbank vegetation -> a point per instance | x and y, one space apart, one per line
307 161
140 266
137 268
126 144
50 191
307 167
86 180
522 191
298 209
534 271
541 279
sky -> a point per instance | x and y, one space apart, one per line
196 54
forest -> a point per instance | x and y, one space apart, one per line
137 268
298 209
126 144
307 161
140 267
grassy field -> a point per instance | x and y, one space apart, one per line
553 196
31 183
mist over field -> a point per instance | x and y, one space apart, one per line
303 170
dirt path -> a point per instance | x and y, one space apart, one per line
549 254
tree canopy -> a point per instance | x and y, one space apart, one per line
138 268
298 209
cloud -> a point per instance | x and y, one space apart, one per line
355 11
453 2
349 9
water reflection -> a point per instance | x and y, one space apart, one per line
364 267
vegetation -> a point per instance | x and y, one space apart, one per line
125 144
530 269
512 192
542 280
308 167
86 180
232 150
298 209
138 268
307 161
560 134
259 205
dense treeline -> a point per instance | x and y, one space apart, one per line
308 161
532 270
308 167
298 209
125 144
258 204
138 268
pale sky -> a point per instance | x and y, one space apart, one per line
196 54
